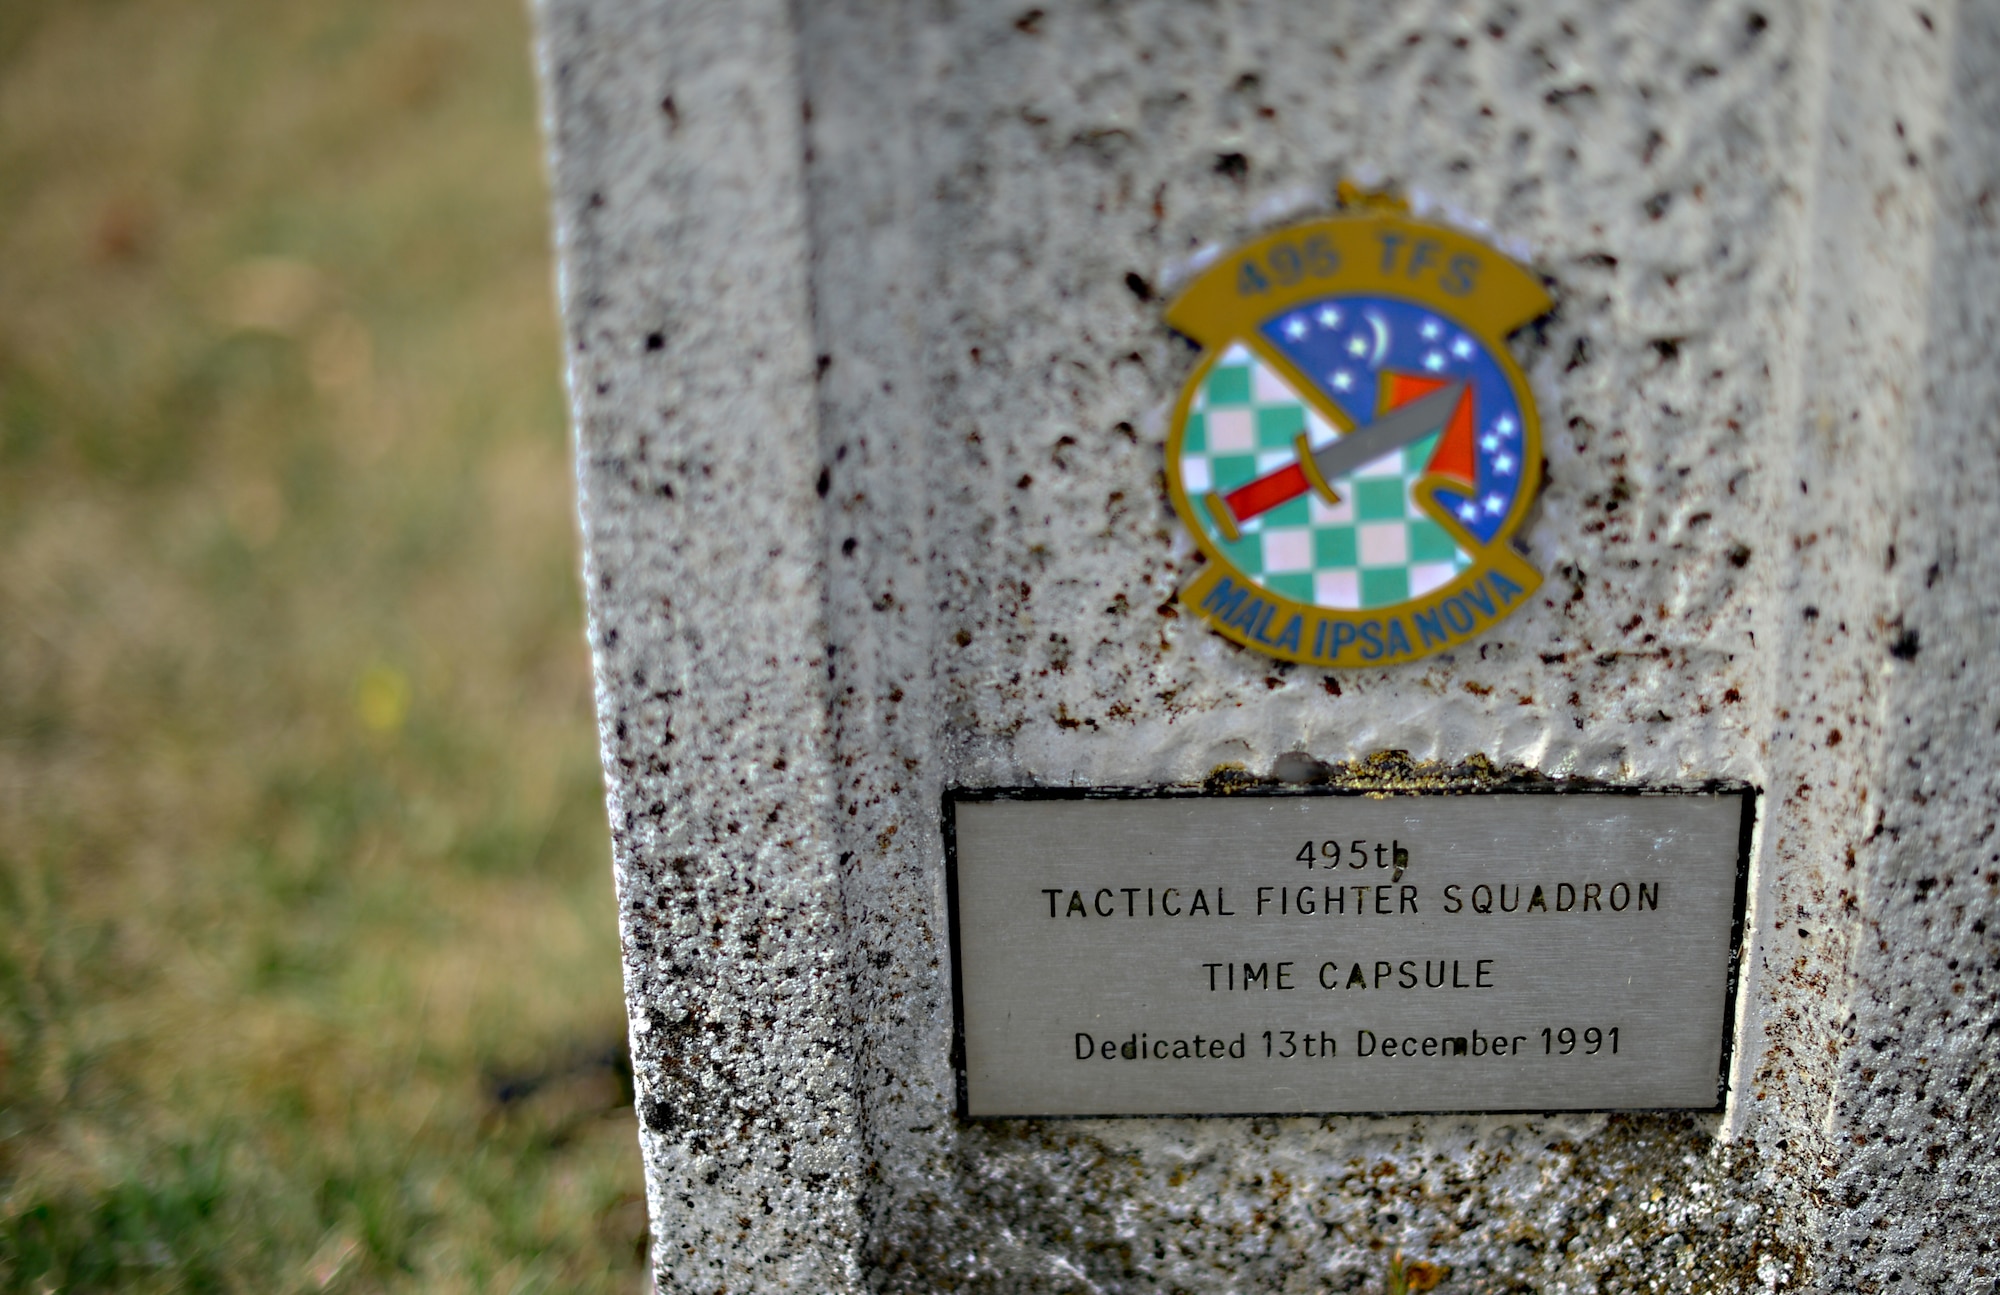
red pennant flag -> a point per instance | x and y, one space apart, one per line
1454 456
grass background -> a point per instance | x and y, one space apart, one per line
308 966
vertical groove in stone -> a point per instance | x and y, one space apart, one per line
1854 324
1916 1098
677 155
864 78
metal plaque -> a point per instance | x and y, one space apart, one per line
1256 954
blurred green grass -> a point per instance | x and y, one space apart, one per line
308 964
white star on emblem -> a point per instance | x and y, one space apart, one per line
1489 443
1504 425
1430 330
1357 345
1342 380
1462 348
1468 512
1297 327
1503 464
1329 317
1434 361
1495 505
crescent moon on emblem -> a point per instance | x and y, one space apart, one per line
1381 328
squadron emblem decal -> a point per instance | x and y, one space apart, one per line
1356 446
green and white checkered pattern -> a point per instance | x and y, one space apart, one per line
1375 549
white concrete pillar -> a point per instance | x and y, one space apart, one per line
863 307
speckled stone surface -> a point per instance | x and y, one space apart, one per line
862 308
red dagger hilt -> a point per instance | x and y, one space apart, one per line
1310 470
1257 497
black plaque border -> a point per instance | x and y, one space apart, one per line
1738 934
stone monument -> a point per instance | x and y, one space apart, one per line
1030 881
